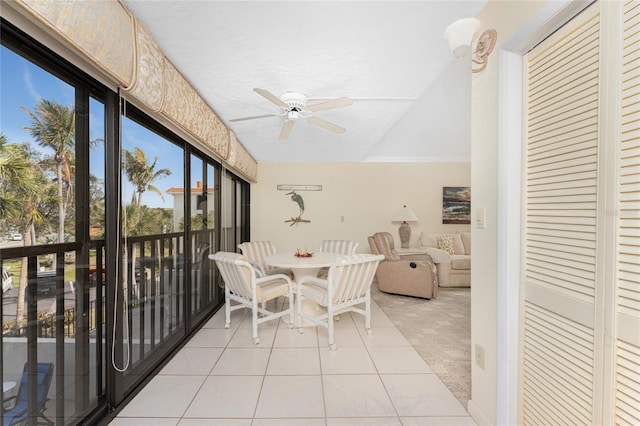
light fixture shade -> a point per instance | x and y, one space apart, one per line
460 35
405 214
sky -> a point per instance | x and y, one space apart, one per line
24 84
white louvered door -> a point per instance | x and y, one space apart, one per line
581 307
627 302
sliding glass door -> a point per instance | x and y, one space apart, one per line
107 219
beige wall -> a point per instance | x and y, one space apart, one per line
367 195
510 19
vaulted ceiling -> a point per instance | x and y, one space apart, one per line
410 97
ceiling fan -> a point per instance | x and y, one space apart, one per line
293 105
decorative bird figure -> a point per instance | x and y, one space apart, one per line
297 198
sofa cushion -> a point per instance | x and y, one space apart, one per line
428 240
431 240
466 240
445 242
458 246
461 262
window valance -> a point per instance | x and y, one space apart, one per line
107 35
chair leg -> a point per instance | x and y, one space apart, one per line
46 419
254 323
227 310
291 308
367 316
330 329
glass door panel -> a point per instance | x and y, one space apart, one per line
152 249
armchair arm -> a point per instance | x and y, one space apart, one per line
438 256
275 277
313 280
5 400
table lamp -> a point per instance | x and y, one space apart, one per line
404 215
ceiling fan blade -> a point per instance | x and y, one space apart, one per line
286 129
331 103
254 117
270 96
325 124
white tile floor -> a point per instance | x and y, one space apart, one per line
221 378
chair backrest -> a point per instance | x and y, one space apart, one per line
44 374
338 246
256 251
352 275
200 253
384 244
7 281
238 274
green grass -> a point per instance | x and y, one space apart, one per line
15 266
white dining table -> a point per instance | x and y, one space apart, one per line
303 267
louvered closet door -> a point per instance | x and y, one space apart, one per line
581 253
627 343
560 225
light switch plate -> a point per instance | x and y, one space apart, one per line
481 222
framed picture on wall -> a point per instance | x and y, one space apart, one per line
456 205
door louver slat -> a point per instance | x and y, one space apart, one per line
558 347
627 359
560 223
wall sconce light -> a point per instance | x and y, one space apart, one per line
460 35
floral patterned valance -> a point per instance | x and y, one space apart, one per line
106 34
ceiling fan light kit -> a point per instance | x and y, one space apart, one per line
460 35
295 101
294 106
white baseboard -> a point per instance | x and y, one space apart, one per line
477 414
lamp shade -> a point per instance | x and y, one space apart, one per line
460 35
405 214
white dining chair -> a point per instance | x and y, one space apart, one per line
347 287
336 246
242 285
256 251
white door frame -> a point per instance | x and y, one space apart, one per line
510 131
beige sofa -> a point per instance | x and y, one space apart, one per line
451 252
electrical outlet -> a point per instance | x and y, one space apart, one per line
479 352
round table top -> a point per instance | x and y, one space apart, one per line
289 260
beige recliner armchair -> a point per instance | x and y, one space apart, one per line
410 276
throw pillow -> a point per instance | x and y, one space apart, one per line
445 242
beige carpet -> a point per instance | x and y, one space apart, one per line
439 329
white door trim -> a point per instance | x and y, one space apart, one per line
510 131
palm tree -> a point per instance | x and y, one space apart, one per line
13 167
53 126
141 174
25 194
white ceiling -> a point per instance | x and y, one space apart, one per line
367 50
